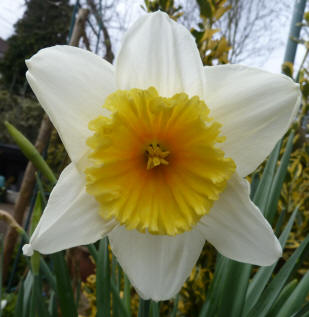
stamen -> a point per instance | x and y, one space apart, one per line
155 156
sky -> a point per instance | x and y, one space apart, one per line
12 10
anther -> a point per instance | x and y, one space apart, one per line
155 156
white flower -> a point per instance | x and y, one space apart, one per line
254 107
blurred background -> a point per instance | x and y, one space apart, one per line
254 33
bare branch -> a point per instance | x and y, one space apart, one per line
109 55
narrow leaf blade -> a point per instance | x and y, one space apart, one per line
297 298
103 280
261 278
272 291
272 203
64 288
284 295
31 152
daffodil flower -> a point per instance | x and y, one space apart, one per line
160 146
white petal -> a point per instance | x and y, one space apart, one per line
255 107
156 51
71 84
70 217
157 266
237 228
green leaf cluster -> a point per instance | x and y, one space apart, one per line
24 113
235 291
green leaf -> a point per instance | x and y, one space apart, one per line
19 305
303 312
119 276
205 8
114 270
41 189
254 184
115 284
233 293
154 309
35 263
121 309
64 288
27 293
211 305
52 307
31 152
287 68
280 222
262 307
297 298
93 251
285 293
48 274
272 203
262 192
78 291
175 306
34 303
127 294
103 287
42 308
261 278
144 306
37 212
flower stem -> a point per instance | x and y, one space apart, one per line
143 308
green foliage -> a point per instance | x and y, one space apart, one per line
10 307
231 279
167 6
212 47
287 69
103 279
24 113
64 286
57 157
45 23
31 153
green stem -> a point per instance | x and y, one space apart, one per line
117 302
48 274
34 296
31 152
144 306
41 189
35 263
103 287
175 307
64 287
93 251
127 294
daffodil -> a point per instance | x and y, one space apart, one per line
160 146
